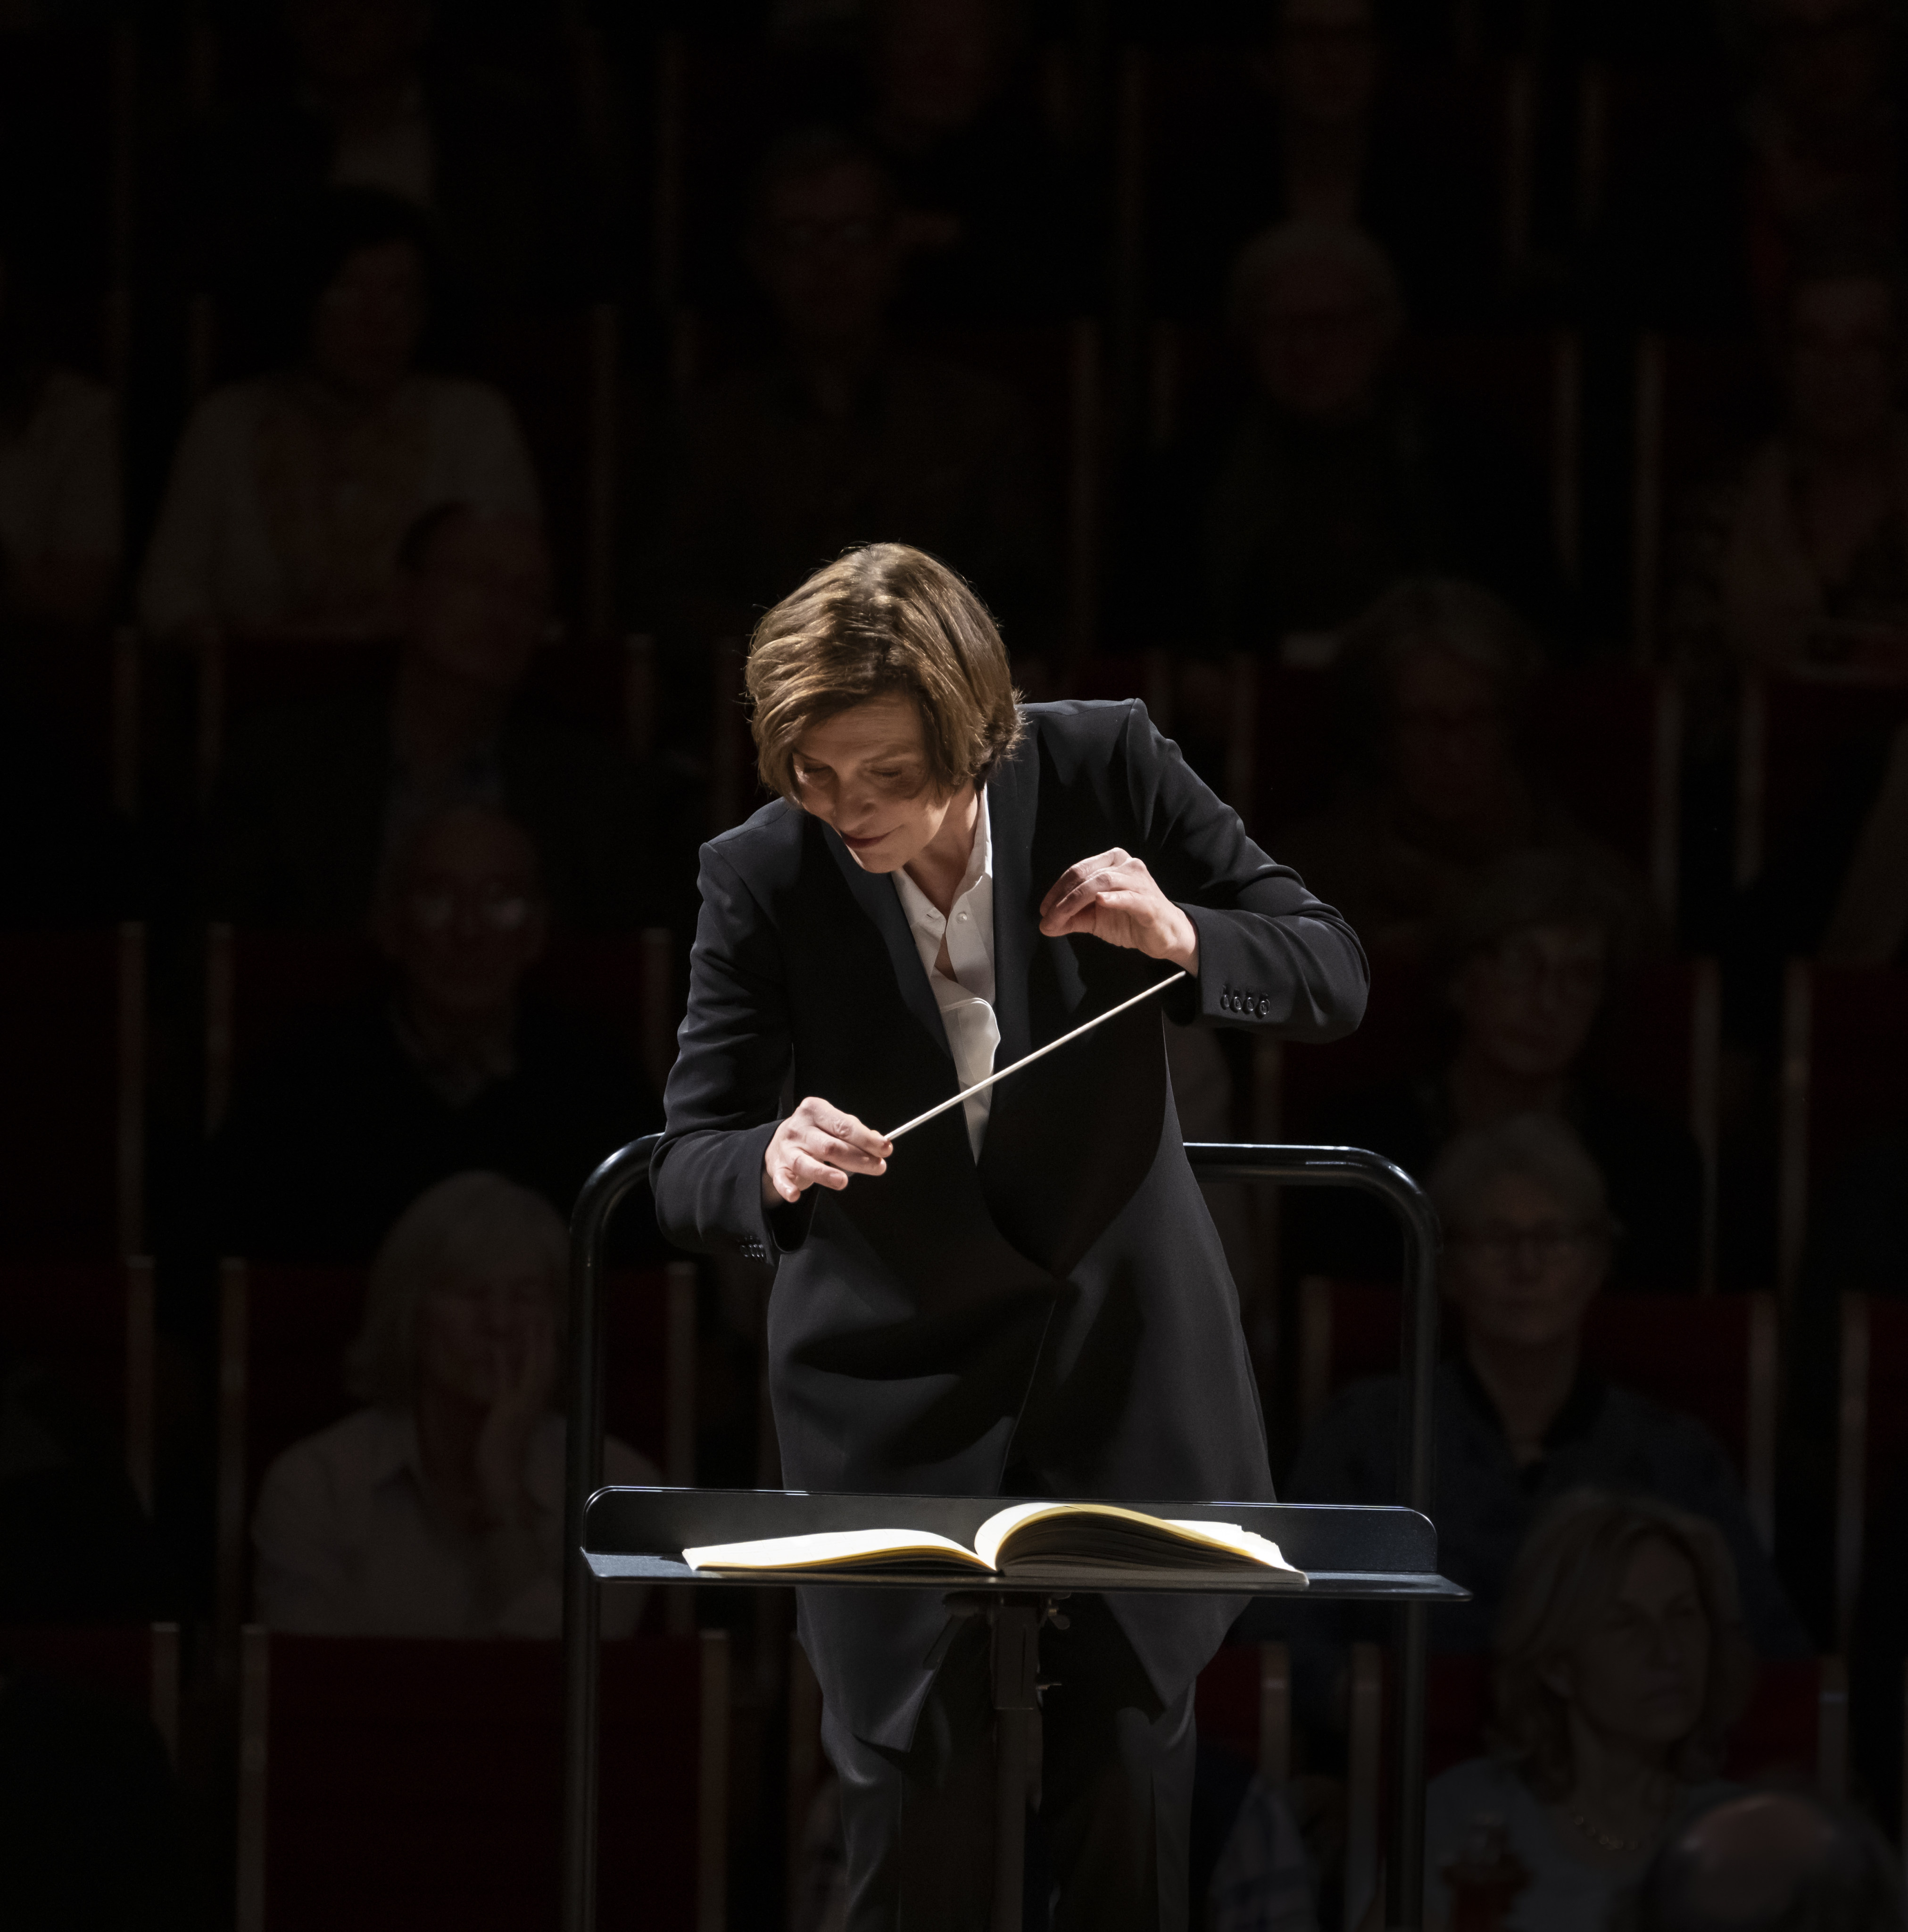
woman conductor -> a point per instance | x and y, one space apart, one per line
1026 1297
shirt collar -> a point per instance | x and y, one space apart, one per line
1571 1423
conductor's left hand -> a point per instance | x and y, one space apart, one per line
1113 896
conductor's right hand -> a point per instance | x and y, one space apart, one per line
819 1143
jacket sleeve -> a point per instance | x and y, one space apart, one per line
1270 954
724 1097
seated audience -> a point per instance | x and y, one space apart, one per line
437 1510
59 481
454 1069
1769 1861
1520 1421
1308 131
1799 558
91 1834
1283 518
1528 962
313 797
1249 1869
291 493
955 111
1441 785
368 95
843 435
79 1547
1618 1665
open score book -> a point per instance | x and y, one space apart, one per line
1041 1536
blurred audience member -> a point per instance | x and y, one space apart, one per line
1249 1869
372 98
843 437
1312 135
1435 675
313 797
291 493
956 114
1529 962
437 1510
59 481
1769 1861
328 1139
90 1831
1801 557
1824 130
1520 1421
1618 1665
79 1548
1332 484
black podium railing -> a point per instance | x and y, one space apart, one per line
628 1168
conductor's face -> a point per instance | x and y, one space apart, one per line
865 772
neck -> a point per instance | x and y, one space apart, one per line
447 1036
448 1429
1619 1784
833 372
1481 1091
438 718
1528 1386
938 868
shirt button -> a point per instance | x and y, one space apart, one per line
963 915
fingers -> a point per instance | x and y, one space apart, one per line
837 1125
820 1144
1074 877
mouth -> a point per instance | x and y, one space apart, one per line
863 845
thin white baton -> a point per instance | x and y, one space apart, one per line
1027 1060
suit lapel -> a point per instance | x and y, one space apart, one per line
874 893
1012 802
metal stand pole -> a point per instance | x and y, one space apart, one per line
589 1225
1017 1622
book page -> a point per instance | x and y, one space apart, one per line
1105 1532
869 1549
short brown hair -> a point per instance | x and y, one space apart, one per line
883 619
1566 1576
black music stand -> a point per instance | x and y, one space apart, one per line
638 1534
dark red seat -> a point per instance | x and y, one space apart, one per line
1242 1701
1871 1432
1844 1080
393 1782
92 1323
73 1101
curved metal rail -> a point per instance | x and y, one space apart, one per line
628 1168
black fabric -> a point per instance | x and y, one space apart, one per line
1067 1303
1116 1782
338 1132
298 822
1651 1167
89 1834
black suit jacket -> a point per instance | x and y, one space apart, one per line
1065 1306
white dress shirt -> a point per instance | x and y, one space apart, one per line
966 1000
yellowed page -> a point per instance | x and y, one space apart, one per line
1248 1545
824 1549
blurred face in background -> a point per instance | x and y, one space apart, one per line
365 326
937 63
1318 338
827 249
477 606
1827 60
1638 1677
1322 64
476 1327
1518 1269
349 46
464 918
1527 1006
1450 748
1844 361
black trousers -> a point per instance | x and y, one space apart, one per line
1116 1787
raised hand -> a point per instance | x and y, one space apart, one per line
819 1144
1112 896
